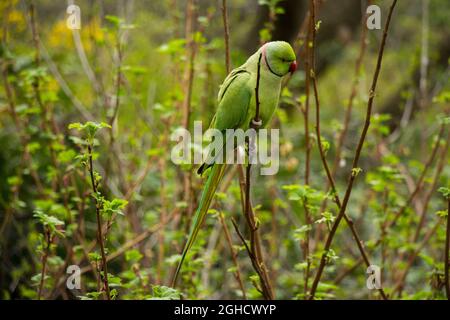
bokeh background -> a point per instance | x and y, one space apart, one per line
149 67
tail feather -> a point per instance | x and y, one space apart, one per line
208 192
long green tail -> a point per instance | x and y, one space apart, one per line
208 192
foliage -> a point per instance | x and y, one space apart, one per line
86 142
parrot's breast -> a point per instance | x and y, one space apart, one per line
269 93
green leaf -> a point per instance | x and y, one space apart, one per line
445 192
113 207
165 293
299 234
133 256
442 213
49 221
90 128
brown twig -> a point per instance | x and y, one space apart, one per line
237 273
439 167
226 35
420 181
163 216
353 92
46 115
305 112
255 244
187 89
401 282
240 168
319 139
99 225
23 137
388 224
113 120
129 244
354 171
254 260
118 83
226 29
446 254
48 240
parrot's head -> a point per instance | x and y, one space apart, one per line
279 58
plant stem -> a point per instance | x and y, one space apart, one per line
353 92
46 115
362 138
112 120
226 35
439 167
420 182
446 255
401 282
255 244
305 245
187 89
418 186
99 226
48 240
237 273
241 177
265 290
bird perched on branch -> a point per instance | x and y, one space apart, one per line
237 109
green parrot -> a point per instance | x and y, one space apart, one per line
237 108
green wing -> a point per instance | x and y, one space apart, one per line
234 99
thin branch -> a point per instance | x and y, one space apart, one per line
48 241
446 255
255 243
420 181
306 244
237 273
353 92
23 136
226 35
187 90
118 83
355 163
241 177
254 261
401 282
99 225
439 167
387 224
330 178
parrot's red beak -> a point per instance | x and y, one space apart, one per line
293 67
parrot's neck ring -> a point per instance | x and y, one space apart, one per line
267 62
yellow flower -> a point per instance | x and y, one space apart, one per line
52 85
93 31
60 35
